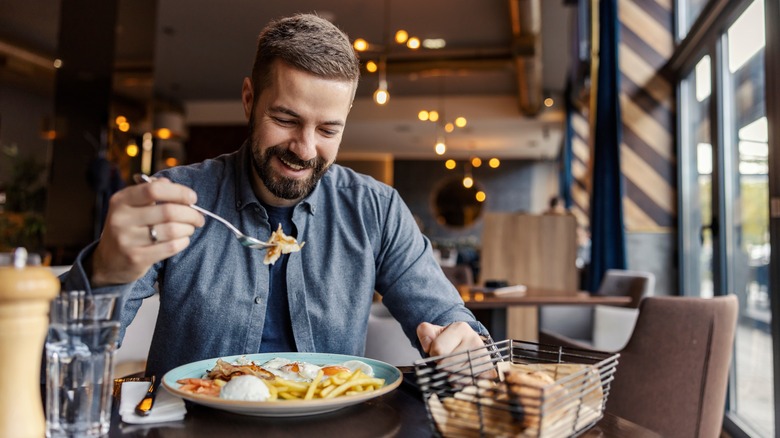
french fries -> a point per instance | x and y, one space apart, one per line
343 383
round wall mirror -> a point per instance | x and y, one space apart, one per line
455 205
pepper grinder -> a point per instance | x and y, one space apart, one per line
25 296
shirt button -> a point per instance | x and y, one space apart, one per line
258 300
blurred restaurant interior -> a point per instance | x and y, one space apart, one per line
653 139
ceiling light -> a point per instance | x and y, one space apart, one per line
423 115
450 164
449 127
494 163
120 119
401 36
434 43
371 67
433 116
381 96
164 133
549 102
440 147
480 196
476 162
360 45
468 182
57 63
460 122
413 43
131 150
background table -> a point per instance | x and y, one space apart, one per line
400 413
492 310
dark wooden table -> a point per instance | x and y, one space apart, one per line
400 413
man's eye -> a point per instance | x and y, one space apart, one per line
286 122
328 132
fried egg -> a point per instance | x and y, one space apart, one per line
285 369
354 365
306 372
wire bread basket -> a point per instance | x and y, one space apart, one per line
516 388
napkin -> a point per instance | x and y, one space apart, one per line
517 290
167 407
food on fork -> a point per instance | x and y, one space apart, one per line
283 380
284 245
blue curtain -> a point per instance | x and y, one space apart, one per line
565 179
606 207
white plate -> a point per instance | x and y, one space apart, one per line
281 408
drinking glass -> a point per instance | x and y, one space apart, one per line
80 346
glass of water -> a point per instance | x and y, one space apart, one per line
80 345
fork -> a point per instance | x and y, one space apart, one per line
243 239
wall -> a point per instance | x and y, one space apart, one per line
512 187
655 253
381 168
22 117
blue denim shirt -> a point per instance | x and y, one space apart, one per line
360 237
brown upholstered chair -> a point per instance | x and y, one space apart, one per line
672 376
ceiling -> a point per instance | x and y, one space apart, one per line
196 53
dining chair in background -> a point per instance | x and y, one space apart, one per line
672 376
604 328
385 338
130 357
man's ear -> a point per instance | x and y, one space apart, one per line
247 97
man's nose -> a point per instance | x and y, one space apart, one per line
305 144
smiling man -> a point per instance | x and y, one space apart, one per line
217 298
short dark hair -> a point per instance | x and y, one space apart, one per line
309 43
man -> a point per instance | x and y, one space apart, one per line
217 298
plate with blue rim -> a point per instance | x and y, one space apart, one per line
281 408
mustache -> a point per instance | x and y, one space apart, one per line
290 157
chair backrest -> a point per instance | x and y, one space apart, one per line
635 284
131 356
385 338
672 375
579 323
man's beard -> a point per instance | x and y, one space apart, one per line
281 186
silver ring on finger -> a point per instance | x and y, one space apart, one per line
152 234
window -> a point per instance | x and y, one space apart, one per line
724 190
687 12
746 136
695 125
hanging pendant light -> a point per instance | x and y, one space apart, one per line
381 95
